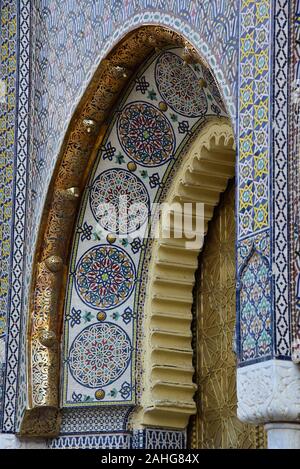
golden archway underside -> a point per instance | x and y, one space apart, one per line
216 424
76 158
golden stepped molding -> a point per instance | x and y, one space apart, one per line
167 400
179 323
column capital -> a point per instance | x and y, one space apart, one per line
268 392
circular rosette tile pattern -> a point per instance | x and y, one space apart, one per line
104 277
179 86
119 201
99 355
145 134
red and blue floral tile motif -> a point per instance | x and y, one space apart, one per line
112 187
99 355
179 86
150 126
145 134
105 277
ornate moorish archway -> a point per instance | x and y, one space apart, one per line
78 156
78 153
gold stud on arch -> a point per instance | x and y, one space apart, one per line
111 238
163 106
131 166
120 71
54 263
151 41
47 338
72 193
101 316
202 83
187 56
99 394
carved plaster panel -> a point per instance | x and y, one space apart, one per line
269 392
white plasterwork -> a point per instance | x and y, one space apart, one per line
269 392
9 441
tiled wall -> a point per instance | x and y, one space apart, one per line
66 45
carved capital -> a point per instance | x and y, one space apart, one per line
269 392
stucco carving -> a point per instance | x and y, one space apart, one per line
41 421
269 392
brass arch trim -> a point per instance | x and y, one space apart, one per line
76 158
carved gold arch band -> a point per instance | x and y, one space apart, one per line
78 153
